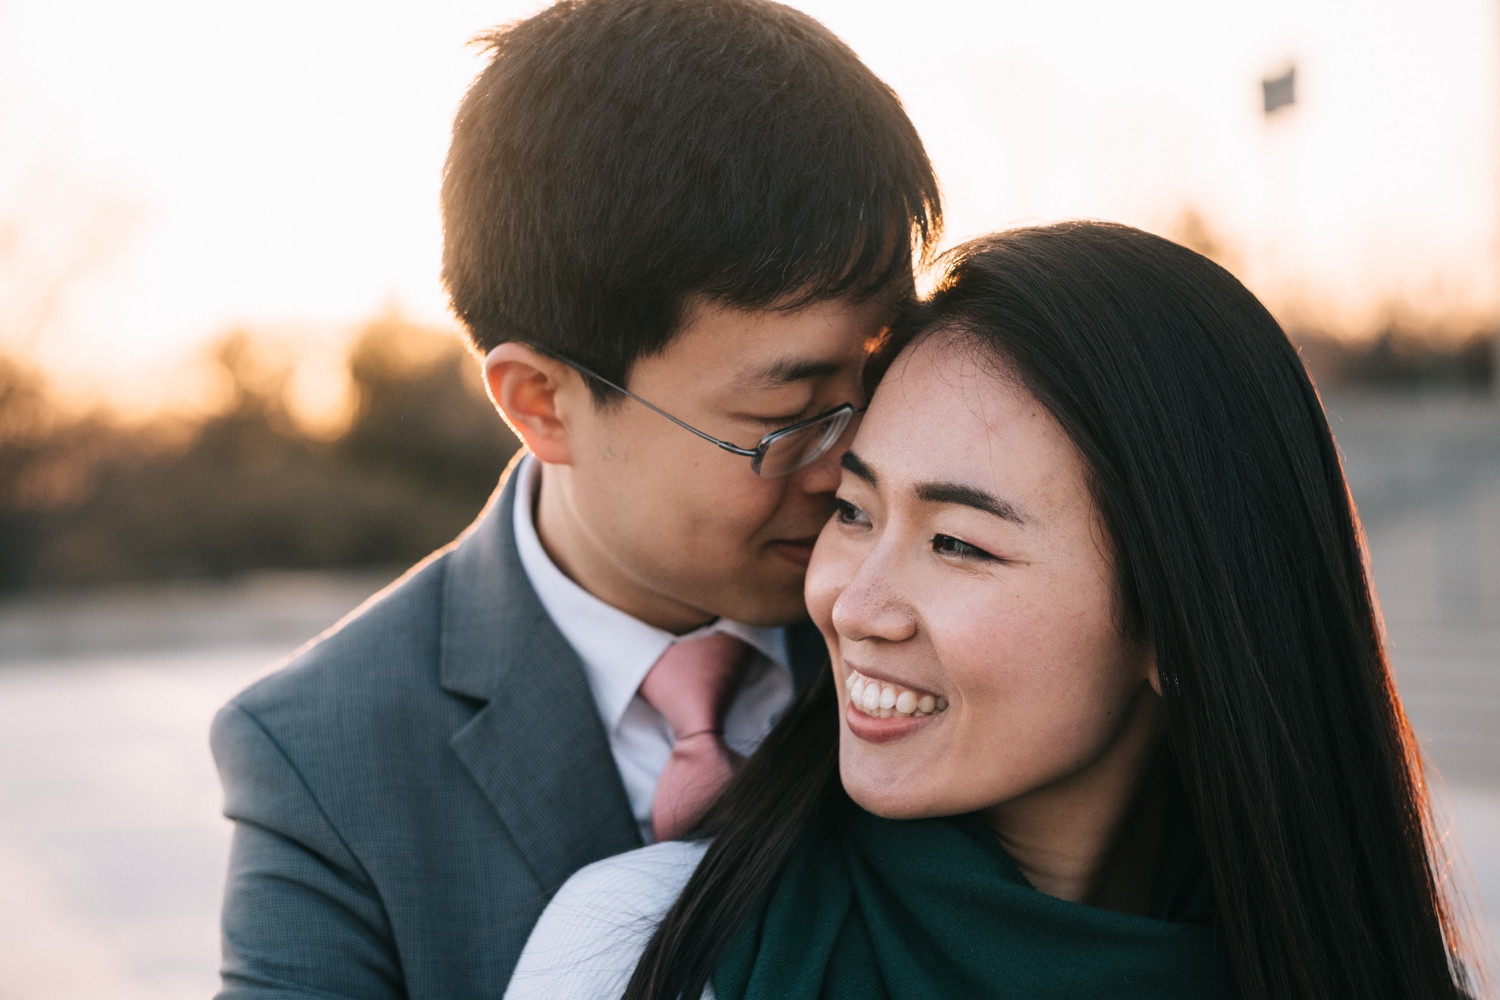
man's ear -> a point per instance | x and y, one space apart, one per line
524 385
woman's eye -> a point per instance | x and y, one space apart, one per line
847 513
949 546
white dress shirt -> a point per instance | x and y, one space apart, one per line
617 650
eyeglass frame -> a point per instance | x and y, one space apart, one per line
756 454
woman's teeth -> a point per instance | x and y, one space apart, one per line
887 701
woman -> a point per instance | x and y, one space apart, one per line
1108 712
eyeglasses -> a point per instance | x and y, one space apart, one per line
780 452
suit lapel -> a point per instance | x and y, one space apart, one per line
537 747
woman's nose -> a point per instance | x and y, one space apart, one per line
871 606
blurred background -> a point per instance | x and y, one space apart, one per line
233 404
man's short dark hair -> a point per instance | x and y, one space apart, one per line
618 156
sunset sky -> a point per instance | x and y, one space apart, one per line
173 168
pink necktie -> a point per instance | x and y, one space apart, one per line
692 686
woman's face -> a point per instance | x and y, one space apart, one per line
966 592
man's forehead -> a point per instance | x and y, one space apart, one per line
756 350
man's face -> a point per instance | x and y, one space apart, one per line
685 526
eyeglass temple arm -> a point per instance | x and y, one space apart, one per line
736 449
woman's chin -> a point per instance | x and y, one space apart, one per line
889 785
889 803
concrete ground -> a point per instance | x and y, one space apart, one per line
111 844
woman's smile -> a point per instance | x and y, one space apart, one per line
881 710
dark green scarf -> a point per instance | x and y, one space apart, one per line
935 909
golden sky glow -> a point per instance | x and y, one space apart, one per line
277 165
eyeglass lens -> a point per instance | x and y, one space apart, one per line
802 447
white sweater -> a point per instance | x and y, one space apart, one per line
593 932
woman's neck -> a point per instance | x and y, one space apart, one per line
1095 837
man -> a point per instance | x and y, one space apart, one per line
665 221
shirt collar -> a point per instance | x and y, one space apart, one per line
616 649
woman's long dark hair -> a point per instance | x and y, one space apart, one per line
1240 559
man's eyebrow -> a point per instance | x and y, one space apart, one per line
788 371
968 496
856 465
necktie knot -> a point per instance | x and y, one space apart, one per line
692 686
694 682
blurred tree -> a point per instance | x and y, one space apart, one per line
1401 359
421 410
247 489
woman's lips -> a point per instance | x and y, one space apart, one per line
795 550
873 730
880 710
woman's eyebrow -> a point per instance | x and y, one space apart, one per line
968 496
856 465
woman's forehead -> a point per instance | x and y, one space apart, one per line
946 412
944 383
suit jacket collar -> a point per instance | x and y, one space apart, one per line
537 747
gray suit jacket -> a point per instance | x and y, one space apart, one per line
409 791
